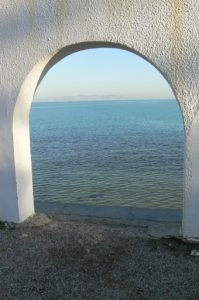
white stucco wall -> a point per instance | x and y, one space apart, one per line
35 34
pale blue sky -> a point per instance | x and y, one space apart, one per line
103 74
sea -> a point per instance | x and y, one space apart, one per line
120 153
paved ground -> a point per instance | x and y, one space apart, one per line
62 257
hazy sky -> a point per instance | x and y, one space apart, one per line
103 74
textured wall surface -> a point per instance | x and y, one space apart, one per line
35 34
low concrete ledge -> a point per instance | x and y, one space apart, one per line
114 212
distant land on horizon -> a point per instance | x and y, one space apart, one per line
95 98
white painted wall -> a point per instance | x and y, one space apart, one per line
35 34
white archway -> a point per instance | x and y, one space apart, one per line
37 34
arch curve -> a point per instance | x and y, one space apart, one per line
40 69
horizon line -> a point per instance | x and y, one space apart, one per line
62 99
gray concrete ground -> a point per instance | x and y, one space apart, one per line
80 257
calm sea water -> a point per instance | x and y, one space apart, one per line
127 153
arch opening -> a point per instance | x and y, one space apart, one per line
21 114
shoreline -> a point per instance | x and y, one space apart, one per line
122 213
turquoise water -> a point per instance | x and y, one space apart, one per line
127 153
